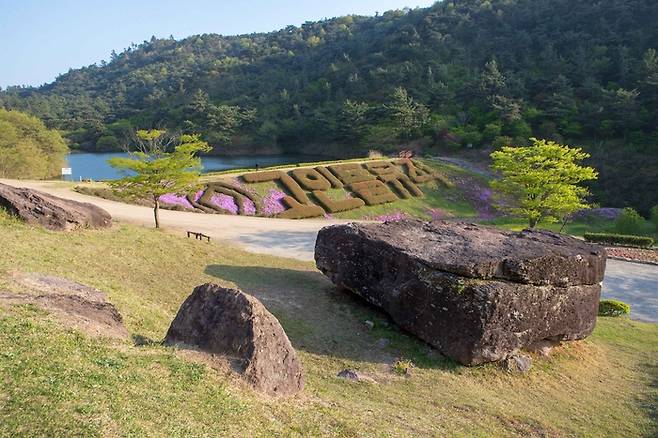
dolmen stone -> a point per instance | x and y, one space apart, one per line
51 212
475 293
231 323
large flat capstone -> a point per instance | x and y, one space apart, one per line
476 293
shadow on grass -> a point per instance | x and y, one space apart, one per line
321 319
291 240
143 341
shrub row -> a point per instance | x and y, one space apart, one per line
311 179
373 192
333 206
285 180
619 239
299 211
335 182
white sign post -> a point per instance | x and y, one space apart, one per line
66 171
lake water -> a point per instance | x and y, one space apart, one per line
95 166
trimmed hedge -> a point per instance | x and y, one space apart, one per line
619 239
333 206
245 193
286 180
351 173
613 308
373 192
402 184
335 182
299 211
416 171
310 179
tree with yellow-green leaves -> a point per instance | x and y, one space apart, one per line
154 171
27 148
541 181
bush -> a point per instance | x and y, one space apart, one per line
502 141
630 222
654 216
491 132
613 308
619 239
402 367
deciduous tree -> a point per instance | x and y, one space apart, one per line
153 172
542 180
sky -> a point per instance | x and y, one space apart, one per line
40 39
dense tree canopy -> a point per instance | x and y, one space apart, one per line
458 74
27 148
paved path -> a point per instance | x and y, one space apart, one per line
634 283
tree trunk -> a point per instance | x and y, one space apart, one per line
533 223
156 212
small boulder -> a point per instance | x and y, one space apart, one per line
355 376
517 364
231 323
51 212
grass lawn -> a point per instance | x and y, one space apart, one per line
56 381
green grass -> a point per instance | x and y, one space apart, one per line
573 228
57 381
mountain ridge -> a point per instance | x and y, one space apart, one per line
477 73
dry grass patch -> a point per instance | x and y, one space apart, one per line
57 381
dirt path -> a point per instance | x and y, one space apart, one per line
630 282
280 237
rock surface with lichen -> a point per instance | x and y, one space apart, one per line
476 293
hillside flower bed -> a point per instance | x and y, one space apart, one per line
174 199
225 202
273 202
392 217
379 190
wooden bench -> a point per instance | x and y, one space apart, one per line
198 236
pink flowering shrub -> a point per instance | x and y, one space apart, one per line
174 199
391 217
272 203
249 207
224 201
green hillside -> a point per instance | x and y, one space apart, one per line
71 384
474 72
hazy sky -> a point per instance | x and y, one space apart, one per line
40 39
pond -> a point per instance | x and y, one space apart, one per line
95 166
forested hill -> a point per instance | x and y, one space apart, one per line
460 73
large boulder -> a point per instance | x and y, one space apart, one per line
54 213
476 293
231 323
